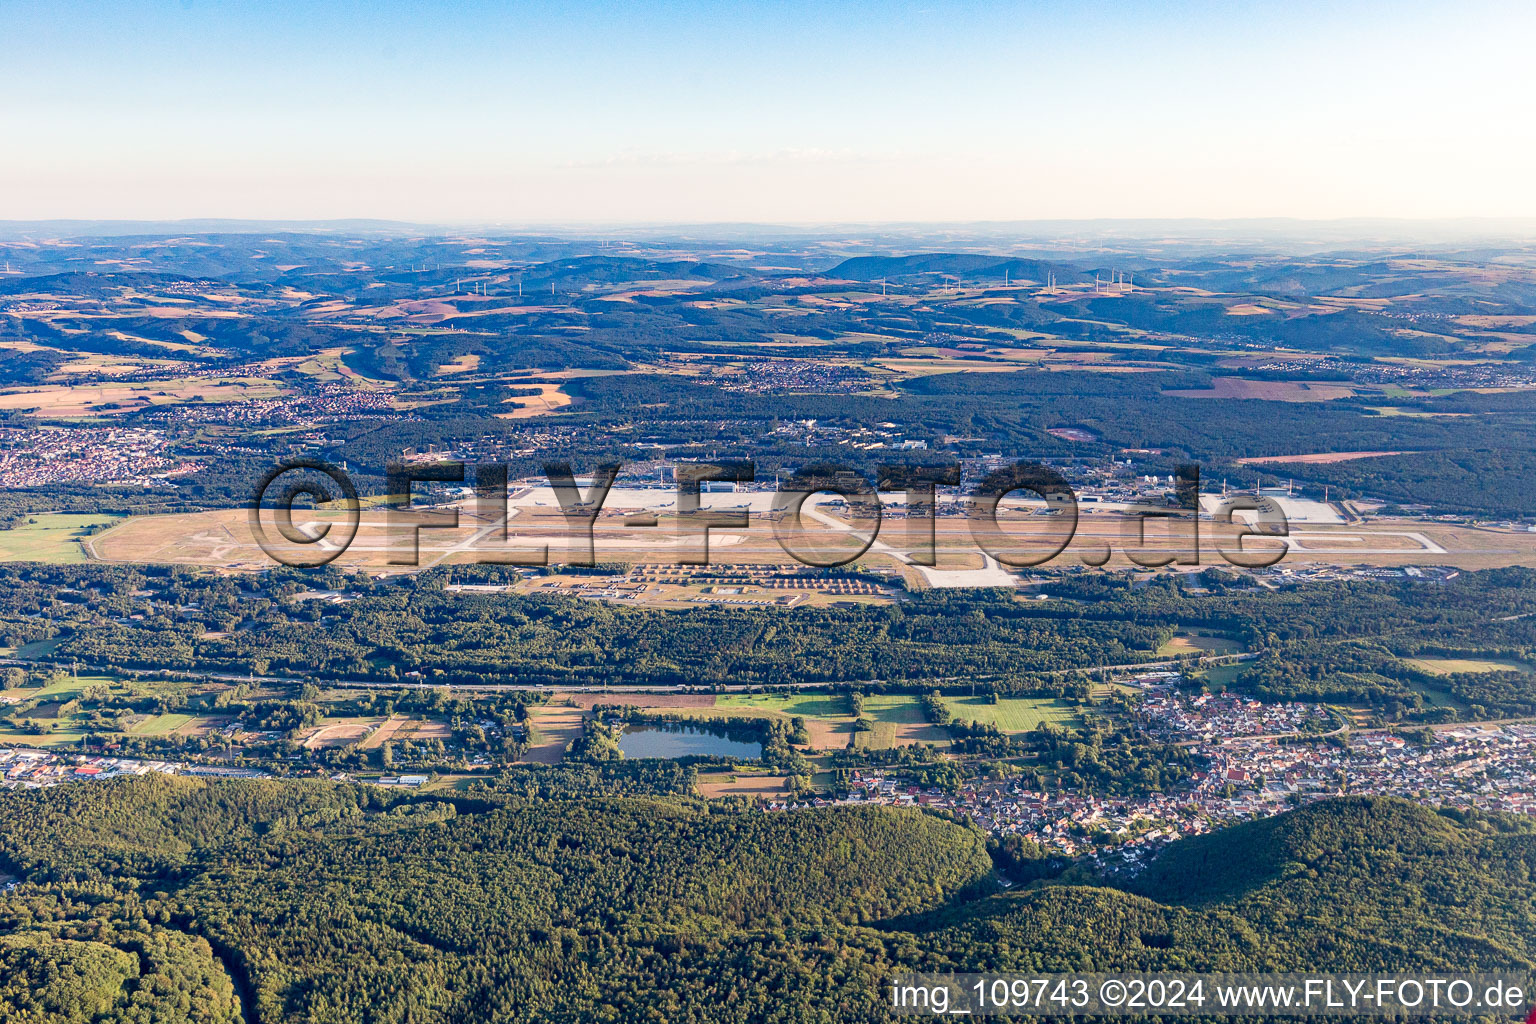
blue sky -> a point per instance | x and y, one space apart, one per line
781 112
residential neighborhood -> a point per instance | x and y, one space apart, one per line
1491 767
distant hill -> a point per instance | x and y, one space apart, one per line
583 270
963 265
203 226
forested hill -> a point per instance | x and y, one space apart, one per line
342 904
873 268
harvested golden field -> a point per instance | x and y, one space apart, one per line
73 400
385 732
338 732
1316 458
549 399
463 364
554 727
745 784
1268 390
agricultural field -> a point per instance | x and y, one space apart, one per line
786 705
1198 643
51 706
897 718
1015 714
1221 676
1314 458
51 537
1274 391
75 401
1435 697
391 728
161 725
552 728
549 399
34 650
827 716
741 782
65 688
898 722
64 735
1449 666
338 732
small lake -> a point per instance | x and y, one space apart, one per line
684 741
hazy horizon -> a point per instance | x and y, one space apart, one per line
1428 229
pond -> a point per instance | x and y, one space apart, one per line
684 741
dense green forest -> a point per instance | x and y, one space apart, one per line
158 899
1345 641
